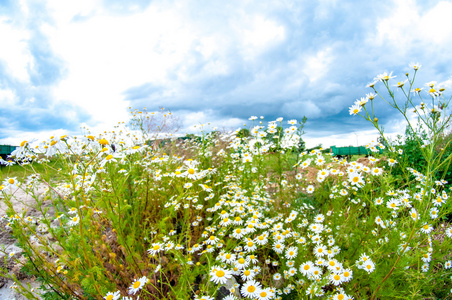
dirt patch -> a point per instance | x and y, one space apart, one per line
22 202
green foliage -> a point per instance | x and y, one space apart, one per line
177 221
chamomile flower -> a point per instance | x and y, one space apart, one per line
155 248
355 109
112 296
278 247
73 221
201 297
320 251
242 263
219 275
347 275
369 266
265 294
247 274
291 252
251 289
426 228
137 285
336 279
449 232
306 268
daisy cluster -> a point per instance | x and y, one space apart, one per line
134 218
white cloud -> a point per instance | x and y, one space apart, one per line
14 51
409 27
260 33
318 65
8 98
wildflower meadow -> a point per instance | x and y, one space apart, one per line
143 213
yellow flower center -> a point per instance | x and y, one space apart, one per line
109 157
11 181
340 297
241 261
250 244
109 297
306 267
251 289
191 171
103 142
228 256
247 272
212 238
53 143
220 273
337 277
369 267
156 247
136 284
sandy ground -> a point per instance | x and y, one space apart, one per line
21 202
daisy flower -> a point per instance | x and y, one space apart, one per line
449 232
112 296
251 289
320 251
278 247
426 228
342 296
247 275
219 275
306 268
156 248
137 285
425 267
377 171
369 266
291 252
73 221
242 263
203 298
384 77
336 279
347 275
266 294
355 109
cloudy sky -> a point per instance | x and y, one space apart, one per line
64 64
